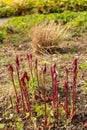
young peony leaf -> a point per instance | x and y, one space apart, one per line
19 126
11 116
2 126
27 115
39 110
33 119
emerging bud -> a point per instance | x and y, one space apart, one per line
25 76
75 65
52 70
65 85
10 68
43 69
36 64
66 69
29 57
17 62
54 65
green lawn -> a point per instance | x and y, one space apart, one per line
18 27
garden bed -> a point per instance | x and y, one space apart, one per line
9 118
26 101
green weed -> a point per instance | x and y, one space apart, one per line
83 65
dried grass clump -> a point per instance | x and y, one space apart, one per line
47 35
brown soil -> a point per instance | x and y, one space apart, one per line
76 48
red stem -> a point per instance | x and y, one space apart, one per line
43 71
29 57
36 72
10 69
74 88
25 90
53 72
17 69
66 98
66 93
57 99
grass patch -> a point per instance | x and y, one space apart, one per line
67 56
84 88
6 62
2 54
19 27
47 36
83 65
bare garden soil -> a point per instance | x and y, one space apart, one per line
75 48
